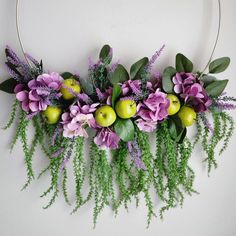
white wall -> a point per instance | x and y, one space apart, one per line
64 34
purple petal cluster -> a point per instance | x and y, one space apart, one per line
191 91
106 138
39 93
77 119
152 110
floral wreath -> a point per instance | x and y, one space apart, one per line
116 110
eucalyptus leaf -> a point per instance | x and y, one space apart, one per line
86 85
106 54
216 88
115 94
208 79
8 85
119 75
66 75
124 129
219 65
183 64
167 83
137 67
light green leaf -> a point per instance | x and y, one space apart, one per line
167 83
124 129
115 94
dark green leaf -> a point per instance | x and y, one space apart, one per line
115 94
216 88
182 136
175 126
183 64
124 129
207 79
8 85
137 68
119 75
106 54
219 65
66 75
167 83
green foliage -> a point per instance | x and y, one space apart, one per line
8 85
137 68
116 91
106 54
219 65
216 88
12 115
183 64
167 83
119 75
124 129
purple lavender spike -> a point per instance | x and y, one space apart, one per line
136 154
12 56
225 106
58 152
34 61
154 58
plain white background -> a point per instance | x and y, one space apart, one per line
64 33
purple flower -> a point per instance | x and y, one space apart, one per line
106 138
77 119
191 91
40 92
152 110
104 97
130 87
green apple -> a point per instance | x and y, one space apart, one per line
105 116
126 108
70 84
187 115
52 114
174 104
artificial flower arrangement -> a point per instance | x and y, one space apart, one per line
116 110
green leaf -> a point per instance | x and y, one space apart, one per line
208 79
124 129
8 85
115 94
66 75
86 85
175 126
219 65
137 67
216 88
105 54
167 83
119 75
183 64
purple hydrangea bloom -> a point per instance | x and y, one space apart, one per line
152 110
106 138
40 92
191 91
77 119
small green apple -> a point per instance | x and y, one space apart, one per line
126 108
187 115
68 84
105 116
52 114
174 104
